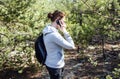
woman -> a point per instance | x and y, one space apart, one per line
55 43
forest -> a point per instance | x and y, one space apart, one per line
93 24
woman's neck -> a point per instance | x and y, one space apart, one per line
53 24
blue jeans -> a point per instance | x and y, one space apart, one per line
55 73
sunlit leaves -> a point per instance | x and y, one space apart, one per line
21 21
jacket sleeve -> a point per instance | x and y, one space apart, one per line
66 42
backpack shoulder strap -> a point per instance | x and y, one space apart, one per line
47 33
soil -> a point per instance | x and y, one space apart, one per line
87 64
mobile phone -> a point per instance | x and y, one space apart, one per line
58 22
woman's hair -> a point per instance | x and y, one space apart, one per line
53 16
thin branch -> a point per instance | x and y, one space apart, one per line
99 13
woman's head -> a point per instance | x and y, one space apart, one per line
55 15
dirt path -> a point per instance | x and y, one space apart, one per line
89 64
78 67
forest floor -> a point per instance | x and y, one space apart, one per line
87 64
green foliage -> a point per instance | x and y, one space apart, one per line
16 34
21 21
95 17
116 72
93 62
108 77
13 9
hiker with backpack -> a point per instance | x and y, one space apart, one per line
55 43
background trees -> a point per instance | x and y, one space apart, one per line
21 21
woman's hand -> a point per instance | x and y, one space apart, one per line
63 26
